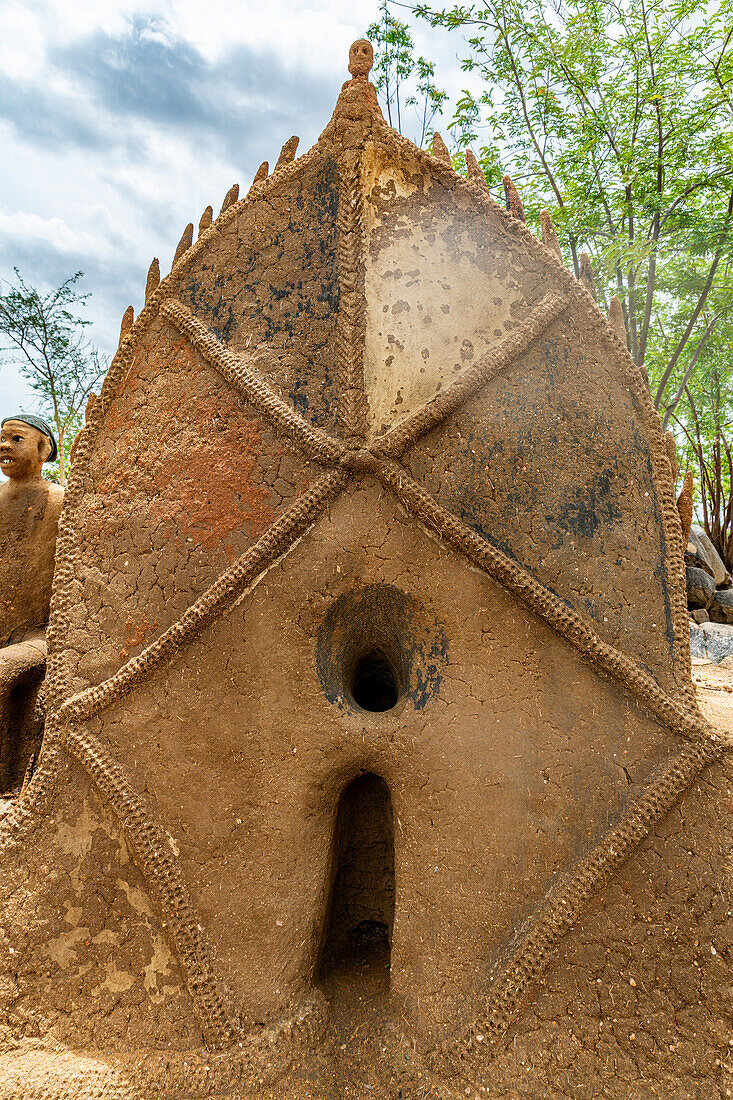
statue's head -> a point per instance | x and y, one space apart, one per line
26 442
361 57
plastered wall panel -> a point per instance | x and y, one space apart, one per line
586 521
270 279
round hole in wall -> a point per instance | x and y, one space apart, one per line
374 682
378 649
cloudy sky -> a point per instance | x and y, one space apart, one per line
121 121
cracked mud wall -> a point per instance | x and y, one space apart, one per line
444 287
279 287
84 959
508 773
507 754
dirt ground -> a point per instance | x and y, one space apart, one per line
714 689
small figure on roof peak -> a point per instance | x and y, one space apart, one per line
361 58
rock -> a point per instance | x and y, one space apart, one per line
697 559
700 538
700 588
700 616
721 609
698 649
712 642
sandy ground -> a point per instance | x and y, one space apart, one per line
714 688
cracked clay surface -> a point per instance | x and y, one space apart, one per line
373 764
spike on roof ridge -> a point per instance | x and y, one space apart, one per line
371 121
513 200
206 219
549 236
287 153
230 198
440 150
616 318
184 244
473 171
128 318
356 126
519 229
585 277
153 280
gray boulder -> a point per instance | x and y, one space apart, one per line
721 609
699 538
711 642
700 588
696 558
698 649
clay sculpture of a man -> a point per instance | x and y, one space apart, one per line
361 59
29 514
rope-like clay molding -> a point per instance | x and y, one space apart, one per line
277 539
124 354
162 874
566 622
318 444
58 675
564 619
564 903
257 1061
236 369
505 353
584 306
351 317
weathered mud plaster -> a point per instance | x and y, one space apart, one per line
368 632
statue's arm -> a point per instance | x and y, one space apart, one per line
19 662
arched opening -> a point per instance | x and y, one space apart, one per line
358 932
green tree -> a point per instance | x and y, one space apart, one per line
403 79
704 423
44 336
617 117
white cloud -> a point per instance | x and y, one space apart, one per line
121 121
31 228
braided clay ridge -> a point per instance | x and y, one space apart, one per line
148 841
565 902
277 539
351 317
565 620
583 305
507 351
257 1061
152 852
162 874
58 676
290 525
239 371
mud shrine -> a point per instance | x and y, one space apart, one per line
372 763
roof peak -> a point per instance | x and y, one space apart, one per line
357 106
